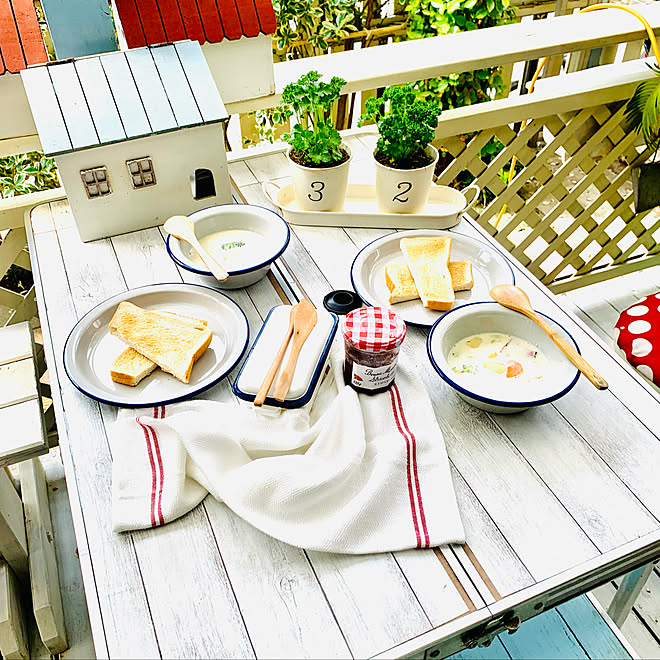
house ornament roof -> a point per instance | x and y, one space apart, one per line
92 101
149 22
21 43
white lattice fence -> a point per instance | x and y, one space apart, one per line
570 216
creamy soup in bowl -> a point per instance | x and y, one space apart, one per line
243 238
498 359
235 249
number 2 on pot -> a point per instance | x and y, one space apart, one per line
399 196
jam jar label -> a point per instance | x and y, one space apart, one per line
372 378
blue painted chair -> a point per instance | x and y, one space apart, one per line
574 630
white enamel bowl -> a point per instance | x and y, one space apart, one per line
261 220
480 317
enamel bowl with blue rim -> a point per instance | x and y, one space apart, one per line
243 238
501 395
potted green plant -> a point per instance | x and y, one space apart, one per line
643 114
404 156
319 160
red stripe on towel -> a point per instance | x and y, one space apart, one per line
153 471
413 443
159 494
162 471
395 412
159 413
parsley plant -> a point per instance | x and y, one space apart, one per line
406 127
313 135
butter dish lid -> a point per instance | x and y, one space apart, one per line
309 367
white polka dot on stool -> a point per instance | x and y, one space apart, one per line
641 347
617 332
638 310
638 327
646 371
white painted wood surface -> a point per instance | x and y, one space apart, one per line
44 576
13 632
74 603
627 593
634 630
536 531
13 542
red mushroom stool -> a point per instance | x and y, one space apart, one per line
639 336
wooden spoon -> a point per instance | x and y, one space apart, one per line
303 323
270 376
515 298
182 227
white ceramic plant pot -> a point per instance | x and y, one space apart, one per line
404 191
320 188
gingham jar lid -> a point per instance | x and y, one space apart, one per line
374 329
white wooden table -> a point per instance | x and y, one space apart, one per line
555 500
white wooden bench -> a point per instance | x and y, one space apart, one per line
21 411
26 533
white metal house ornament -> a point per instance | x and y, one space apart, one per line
137 135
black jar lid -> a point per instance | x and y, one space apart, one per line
342 301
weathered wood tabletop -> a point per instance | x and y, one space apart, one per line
555 500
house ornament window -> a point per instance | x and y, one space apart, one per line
141 171
96 182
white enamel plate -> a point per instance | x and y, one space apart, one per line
90 348
489 268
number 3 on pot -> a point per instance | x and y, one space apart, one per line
399 196
317 187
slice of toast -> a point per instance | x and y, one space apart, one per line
174 346
461 275
400 282
130 367
402 286
427 259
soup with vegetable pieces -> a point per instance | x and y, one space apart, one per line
495 358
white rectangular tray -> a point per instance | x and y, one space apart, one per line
360 209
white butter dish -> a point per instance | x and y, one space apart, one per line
309 367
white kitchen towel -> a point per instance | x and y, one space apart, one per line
350 474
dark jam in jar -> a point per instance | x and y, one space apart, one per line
372 339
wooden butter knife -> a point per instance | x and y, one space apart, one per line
303 323
270 376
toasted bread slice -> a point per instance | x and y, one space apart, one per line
402 286
427 258
461 275
130 367
400 282
172 345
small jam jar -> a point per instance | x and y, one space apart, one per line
372 338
